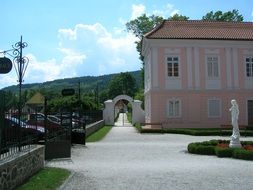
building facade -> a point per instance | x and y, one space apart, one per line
192 71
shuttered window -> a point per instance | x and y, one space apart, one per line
174 108
249 66
214 108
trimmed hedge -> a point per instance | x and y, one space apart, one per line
195 131
224 152
243 154
211 148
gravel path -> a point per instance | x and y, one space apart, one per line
125 159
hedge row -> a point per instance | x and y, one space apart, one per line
205 132
211 148
194 131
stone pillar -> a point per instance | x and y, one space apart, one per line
138 112
108 112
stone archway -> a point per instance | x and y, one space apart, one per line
137 112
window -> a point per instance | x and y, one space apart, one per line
212 67
214 108
173 66
174 108
249 66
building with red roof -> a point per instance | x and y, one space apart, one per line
193 69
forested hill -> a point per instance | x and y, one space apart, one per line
87 83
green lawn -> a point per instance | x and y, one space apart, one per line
99 135
46 179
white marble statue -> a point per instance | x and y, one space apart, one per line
235 138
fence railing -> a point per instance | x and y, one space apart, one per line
18 136
15 135
91 116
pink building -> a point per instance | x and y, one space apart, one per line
194 68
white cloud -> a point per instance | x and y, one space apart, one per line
105 52
8 79
167 11
41 71
85 50
137 10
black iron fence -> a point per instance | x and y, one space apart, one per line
91 116
16 136
53 130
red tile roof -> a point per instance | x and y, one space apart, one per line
199 29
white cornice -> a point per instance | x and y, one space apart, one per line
176 43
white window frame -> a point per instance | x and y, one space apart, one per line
173 67
174 114
213 73
250 63
208 108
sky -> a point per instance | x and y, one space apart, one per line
87 38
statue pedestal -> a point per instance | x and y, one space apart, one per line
235 143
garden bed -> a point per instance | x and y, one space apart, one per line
221 149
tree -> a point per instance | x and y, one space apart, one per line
178 17
123 83
144 24
140 26
226 16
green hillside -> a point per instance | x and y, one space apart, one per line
87 83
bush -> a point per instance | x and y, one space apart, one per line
224 152
243 154
138 127
211 148
192 148
199 131
205 150
199 148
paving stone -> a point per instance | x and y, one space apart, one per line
125 159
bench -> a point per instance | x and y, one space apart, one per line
152 126
225 127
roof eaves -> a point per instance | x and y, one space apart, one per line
154 29
234 39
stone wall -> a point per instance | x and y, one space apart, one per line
15 171
90 129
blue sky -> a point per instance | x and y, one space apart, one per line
80 37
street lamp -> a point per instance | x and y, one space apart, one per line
20 63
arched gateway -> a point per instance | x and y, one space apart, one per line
137 112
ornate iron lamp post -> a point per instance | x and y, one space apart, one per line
20 63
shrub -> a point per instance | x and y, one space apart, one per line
199 148
243 154
211 148
247 142
224 152
138 127
205 150
192 148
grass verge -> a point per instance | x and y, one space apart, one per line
99 135
138 127
46 179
